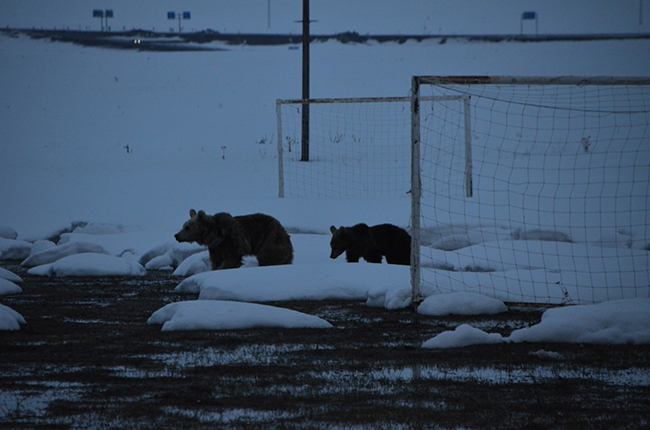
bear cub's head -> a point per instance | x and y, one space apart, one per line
340 241
194 229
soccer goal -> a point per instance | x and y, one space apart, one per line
531 189
358 147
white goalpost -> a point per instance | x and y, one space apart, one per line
531 189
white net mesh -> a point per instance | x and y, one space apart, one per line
357 148
559 179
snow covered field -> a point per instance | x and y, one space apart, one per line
128 142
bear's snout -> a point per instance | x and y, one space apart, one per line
336 252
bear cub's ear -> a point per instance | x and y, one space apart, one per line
192 213
333 229
202 215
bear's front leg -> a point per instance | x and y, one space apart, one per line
215 258
230 263
373 256
352 257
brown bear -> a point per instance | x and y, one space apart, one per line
230 238
372 243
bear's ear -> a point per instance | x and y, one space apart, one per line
344 231
192 213
202 215
333 229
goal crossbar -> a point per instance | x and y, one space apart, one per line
531 80
363 100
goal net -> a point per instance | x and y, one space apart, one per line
531 189
357 147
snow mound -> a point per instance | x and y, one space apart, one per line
51 254
12 249
8 287
524 271
538 234
41 245
89 264
225 315
461 304
389 298
169 255
7 232
616 322
117 240
195 263
11 276
325 281
100 229
464 335
10 319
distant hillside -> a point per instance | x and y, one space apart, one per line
145 40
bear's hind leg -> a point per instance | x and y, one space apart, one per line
276 250
396 259
275 256
230 263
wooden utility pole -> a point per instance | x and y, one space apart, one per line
304 156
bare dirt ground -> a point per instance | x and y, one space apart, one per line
87 359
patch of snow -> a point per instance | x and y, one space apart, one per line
536 234
53 253
89 264
7 232
227 315
8 287
324 281
389 298
10 319
14 249
41 245
547 355
11 276
461 304
100 229
463 335
614 323
195 263
169 254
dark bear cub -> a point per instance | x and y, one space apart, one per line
230 238
371 243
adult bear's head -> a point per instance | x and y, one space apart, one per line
195 229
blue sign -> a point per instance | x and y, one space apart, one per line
109 13
171 15
186 15
98 13
529 15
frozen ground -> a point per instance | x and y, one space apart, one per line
86 358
